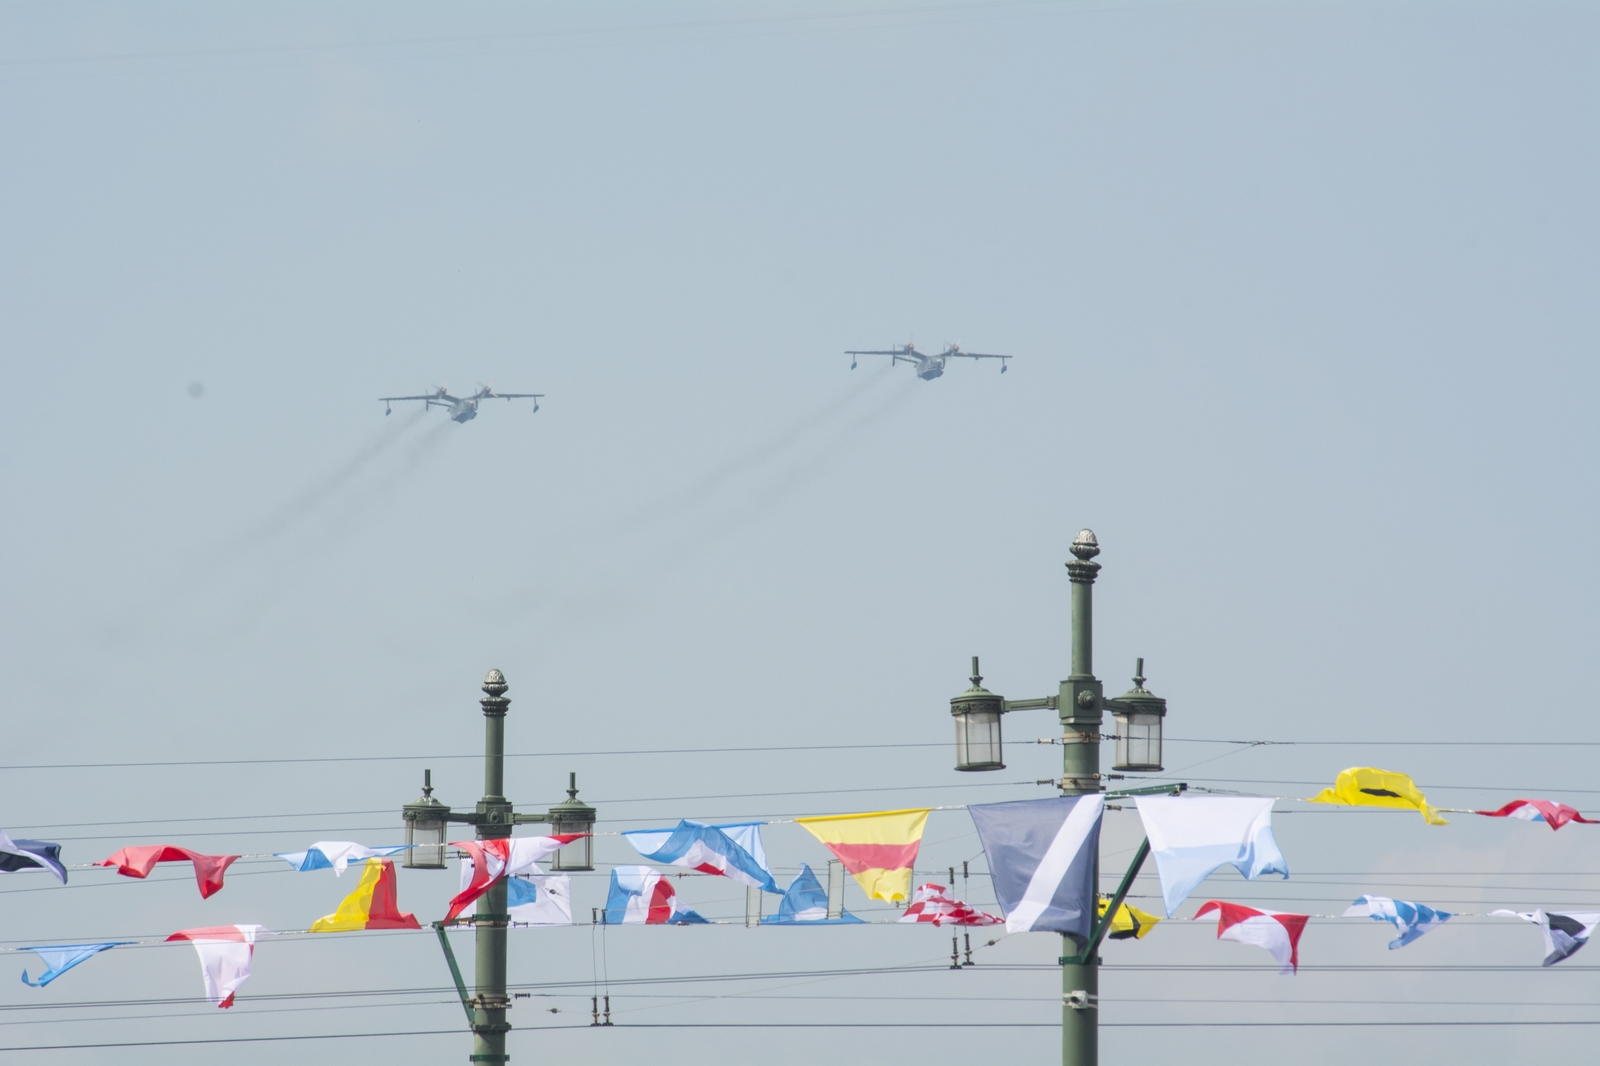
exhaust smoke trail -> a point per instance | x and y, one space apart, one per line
708 484
602 604
306 502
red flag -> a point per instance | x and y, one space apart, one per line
139 861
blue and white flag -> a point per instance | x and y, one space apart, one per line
1564 934
1410 919
335 855
1190 838
642 896
18 855
733 851
1041 859
59 958
539 899
806 903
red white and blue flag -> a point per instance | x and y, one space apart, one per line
1550 812
732 851
493 859
643 896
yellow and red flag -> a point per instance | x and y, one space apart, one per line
374 904
879 847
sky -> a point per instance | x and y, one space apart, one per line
1300 297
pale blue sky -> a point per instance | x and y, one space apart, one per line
1302 302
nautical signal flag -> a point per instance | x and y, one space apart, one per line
225 953
1191 837
1279 933
642 896
933 906
59 958
806 903
494 859
375 904
1411 920
335 855
535 899
1041 859
1550 812
18 855
1364 786
1564 934
1130 922
731 851
879 848
139 861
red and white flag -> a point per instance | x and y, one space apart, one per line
1279 933
494 859
930 904
1550 812
225 952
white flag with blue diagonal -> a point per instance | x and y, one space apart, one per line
1041 858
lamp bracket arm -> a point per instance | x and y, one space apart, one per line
455 971
1150 790
1043 703
530 818
464 817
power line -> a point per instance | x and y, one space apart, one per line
448 758
1364 742
236 1040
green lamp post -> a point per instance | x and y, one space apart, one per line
1080 704
426 823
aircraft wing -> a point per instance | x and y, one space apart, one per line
387 399
516 396
893 351
978 355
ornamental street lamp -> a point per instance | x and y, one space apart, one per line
1080 703
427 821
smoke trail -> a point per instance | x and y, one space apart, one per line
800 475
605 603
307 502
676 503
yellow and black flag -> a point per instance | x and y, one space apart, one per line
1130 923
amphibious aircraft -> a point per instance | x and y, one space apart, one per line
461 408
927 366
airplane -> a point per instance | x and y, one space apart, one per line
461 409
929 367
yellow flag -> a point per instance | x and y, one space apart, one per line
1129 922
1364 786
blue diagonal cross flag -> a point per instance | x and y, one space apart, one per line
1041 857
59 958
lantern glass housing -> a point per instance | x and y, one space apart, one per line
1139 714
573 816
426 822
977 714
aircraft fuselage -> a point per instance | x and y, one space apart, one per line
463 412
